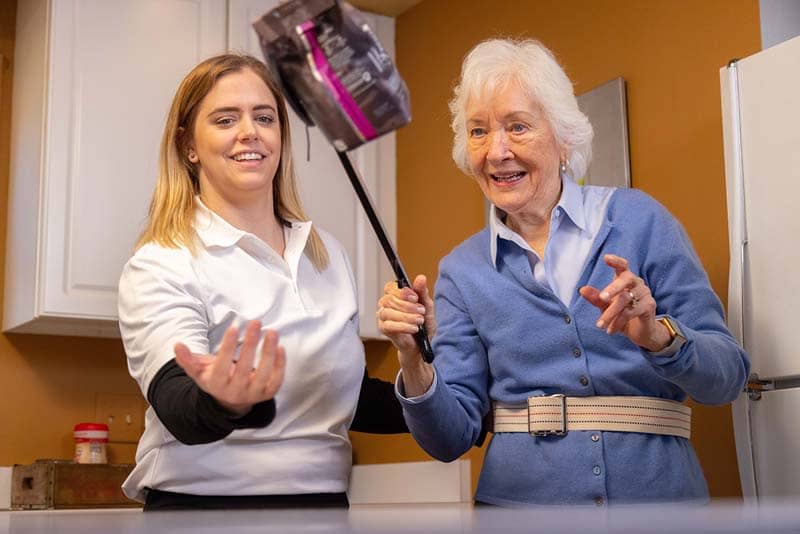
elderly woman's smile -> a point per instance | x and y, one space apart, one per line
505 178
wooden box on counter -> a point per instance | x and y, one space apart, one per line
59 484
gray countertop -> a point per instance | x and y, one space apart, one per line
461 518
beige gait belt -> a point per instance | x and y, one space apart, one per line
558 414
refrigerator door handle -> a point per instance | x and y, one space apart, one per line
737 236
737 229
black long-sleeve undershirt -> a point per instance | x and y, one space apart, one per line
194 417
378 410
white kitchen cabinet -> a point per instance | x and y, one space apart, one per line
93 80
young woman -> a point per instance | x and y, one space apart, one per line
238 317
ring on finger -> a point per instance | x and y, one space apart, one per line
634 299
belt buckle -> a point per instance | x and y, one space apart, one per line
558 432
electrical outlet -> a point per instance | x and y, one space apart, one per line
124 415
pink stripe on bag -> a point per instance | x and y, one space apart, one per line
320 64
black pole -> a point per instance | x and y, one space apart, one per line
402 279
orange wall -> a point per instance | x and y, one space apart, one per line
668 51
48 383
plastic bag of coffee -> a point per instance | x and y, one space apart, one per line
333 70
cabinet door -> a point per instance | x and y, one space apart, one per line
327 196
113 69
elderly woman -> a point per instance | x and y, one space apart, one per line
580 317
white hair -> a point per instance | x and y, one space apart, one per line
494 63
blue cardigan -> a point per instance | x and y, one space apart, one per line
503 337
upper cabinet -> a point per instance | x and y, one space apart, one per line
93 81
92 84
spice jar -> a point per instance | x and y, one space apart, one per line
90 443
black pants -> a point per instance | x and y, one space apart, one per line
167 500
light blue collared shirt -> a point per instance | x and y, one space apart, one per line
574 224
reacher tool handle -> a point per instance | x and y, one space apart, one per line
421 336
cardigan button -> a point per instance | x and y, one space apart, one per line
584 381
567 319
577 352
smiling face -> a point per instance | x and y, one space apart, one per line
513 153
236 141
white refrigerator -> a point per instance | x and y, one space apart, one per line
761 125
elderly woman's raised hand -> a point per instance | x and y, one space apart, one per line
627 306
237 385
400 312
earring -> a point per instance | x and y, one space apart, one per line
563 167
193 157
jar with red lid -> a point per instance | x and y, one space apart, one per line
90 443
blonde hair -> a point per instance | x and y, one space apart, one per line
495 62
170 221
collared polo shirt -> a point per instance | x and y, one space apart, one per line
169 295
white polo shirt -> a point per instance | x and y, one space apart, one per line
167 295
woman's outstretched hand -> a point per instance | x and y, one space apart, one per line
237 385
